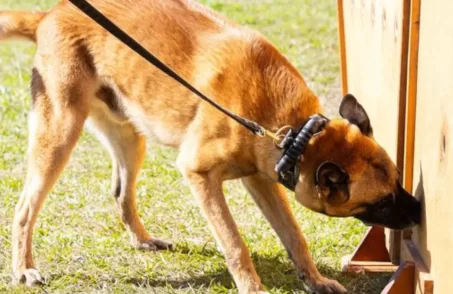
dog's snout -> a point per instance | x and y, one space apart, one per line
413 209
396 211
417 214
409 205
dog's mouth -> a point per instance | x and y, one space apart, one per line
394 226
398 212
366 223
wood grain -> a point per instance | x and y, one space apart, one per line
433 148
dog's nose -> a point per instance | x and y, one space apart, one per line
410 205
416 211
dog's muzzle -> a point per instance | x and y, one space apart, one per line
396 211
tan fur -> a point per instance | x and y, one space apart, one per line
237 67
21 24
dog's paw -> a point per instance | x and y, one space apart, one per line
30 277
153 245
324 286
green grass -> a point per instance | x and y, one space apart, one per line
80 244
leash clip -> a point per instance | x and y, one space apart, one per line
261 132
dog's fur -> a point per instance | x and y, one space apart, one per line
83 74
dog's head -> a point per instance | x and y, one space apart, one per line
344 172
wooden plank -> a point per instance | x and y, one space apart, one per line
372 247
376 38
371 255
402 282
433 152
406 25
394 237
412 95
408 170
373 32
369 267
342 42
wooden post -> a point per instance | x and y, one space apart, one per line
403 281
342 41
395 236
412 96
373 254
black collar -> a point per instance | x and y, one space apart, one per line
294 144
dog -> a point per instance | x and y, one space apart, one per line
82 75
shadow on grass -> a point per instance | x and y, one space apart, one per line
275 273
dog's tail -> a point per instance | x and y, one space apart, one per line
20 24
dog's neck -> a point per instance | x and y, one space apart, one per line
285 100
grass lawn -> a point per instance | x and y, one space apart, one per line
79 243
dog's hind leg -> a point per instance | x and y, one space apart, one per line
55 124
127 149
271 199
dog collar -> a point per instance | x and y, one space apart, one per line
294 144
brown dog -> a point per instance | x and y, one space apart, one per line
83 74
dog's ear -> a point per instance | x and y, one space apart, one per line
351 110
332 182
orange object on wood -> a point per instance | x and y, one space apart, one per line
341 37
371 255
402 282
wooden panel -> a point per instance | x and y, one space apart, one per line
376 34
433 161
342 43
412 95
373 32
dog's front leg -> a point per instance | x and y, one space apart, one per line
207 189
271 199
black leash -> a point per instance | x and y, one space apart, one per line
293 143
108 25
